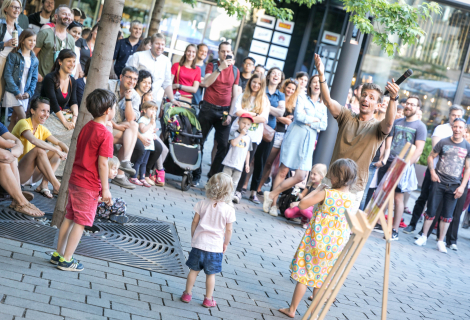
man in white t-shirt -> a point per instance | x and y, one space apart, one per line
442 131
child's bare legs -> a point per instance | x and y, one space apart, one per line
296 298
191 280
64 232
210 284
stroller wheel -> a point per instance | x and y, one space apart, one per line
185 183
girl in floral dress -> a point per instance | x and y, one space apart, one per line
327 234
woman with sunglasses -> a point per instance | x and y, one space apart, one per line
310 117
291 89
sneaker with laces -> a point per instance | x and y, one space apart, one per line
127 167
441 246
72 265
273 211
123 182
453 247
236 197
267 202
378 228
421 241
55 257
394 235
409 229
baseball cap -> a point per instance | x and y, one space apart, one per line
248 116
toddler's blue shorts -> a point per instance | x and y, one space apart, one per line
211 262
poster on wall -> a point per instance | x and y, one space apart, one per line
262 34
278 52
266 21
258 58
281 39
259 47
330 38
285 26
274 63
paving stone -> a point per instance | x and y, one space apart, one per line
79 315
117 314
88 308
37 315
75 296
34 305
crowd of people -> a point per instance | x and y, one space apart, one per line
266 128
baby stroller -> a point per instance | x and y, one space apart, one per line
181 133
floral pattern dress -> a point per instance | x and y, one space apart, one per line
323 241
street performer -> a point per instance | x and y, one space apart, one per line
359 135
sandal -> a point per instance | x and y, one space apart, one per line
135 181
45 193
29 209
145 183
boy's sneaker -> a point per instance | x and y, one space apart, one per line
421 241
209 303
55 257
409 229
441 246
394 235
119 219
127 167
72 265
378 228
123 182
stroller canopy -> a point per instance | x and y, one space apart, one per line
170 111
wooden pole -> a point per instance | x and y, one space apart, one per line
388 246
98 77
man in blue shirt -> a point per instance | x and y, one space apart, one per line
127 47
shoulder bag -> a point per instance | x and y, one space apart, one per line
268 133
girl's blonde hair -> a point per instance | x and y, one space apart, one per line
220 187
113 162
320 168
292 99
149 105
8 3
260 97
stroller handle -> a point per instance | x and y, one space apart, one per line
196 136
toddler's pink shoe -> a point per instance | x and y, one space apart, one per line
209 303
186 297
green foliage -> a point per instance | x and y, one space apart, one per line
397 18
423 159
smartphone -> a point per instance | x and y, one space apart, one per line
229 57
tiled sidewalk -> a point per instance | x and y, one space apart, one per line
255 279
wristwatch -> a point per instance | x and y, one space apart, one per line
396 98
9 149
128 99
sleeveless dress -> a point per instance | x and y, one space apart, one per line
327 234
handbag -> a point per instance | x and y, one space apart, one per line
268 133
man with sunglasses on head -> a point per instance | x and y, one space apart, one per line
248 68
407 129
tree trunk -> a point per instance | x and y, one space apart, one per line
156 17
98 76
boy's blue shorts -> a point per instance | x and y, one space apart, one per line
211 262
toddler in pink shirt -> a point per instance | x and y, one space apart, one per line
211 231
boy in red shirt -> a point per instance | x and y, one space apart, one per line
89 178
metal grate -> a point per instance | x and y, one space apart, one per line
142 243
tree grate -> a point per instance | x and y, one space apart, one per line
142 243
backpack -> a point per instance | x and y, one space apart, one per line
215 62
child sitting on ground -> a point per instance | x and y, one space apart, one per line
238 157
89 178
147 127
117 211
327 234
208 239
317 174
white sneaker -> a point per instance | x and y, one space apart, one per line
441 246
273 211
421 241
453 247
267 202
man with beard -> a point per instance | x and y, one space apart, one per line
51 41
359 135
38 19
408 129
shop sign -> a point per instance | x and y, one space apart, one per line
285 26
259 47
281 39
266 21
259 59
331 38
274 63
278 52
262 34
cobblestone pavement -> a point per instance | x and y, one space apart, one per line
255 282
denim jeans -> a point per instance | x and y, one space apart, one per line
372 170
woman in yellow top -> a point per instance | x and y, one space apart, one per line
39 159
